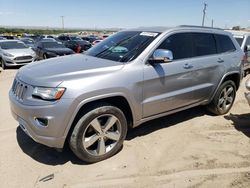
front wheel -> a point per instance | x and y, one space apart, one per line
99 134
223 99
3 64
45 56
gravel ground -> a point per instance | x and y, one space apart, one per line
188 149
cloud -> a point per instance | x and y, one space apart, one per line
6 13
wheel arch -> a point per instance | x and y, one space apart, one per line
234 76
118 101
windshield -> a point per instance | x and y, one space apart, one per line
27 41
239 40
53 45
123 46
12 45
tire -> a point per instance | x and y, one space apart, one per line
223 99
45 56
3 64
99 133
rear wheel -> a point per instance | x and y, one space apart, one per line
99 134
223 99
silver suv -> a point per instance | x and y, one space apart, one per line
131 77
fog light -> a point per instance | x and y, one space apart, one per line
42 121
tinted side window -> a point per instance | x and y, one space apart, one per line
204 44
224 43
180 44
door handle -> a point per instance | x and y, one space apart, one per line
220 60
188 66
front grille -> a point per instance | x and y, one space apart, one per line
23 58
19 89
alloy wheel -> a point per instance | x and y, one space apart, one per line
102 134
226 98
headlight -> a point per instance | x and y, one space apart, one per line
248 84
7 54
48 93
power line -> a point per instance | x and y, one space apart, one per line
204 13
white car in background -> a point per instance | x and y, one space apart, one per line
14 53
243 38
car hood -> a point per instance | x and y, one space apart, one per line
20 52
52 72
59 50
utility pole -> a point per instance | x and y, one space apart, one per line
62 22
204 13
212 23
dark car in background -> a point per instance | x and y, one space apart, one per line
78 46
75 43
91 38
49 49
9 37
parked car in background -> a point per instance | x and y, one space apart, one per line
29 42
96 42
9 37
15 52
105 36
91 99
243 38
64 38
47 40
247 94
49 49
91 38
2 38
75 43
78 46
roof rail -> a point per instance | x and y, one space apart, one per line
196 26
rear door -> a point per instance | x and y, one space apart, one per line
208 66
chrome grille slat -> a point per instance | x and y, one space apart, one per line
19 89
23 58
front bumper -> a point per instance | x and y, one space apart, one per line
12 61
53 134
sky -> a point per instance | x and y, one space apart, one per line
123 13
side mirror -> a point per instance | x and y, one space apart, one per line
161 56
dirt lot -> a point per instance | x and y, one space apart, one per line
187 149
